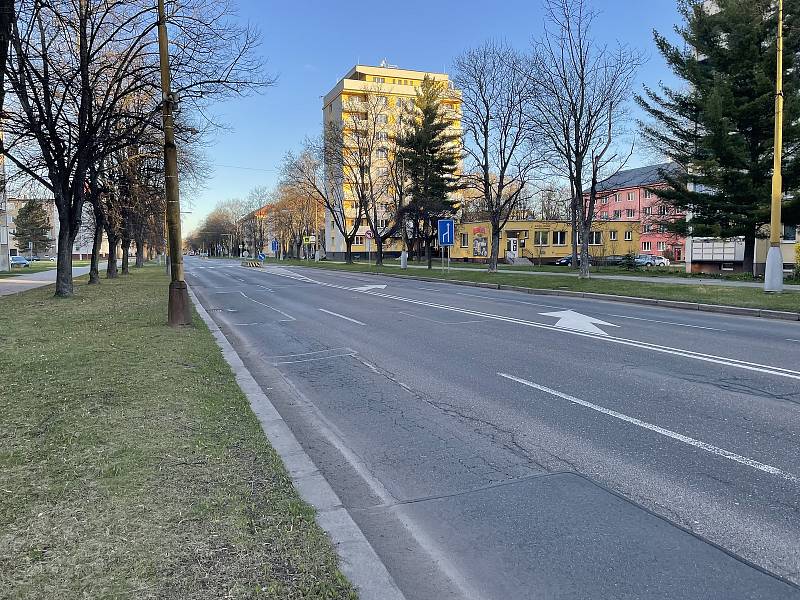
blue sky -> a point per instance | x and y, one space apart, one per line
309 45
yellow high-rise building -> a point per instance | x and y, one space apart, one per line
371 101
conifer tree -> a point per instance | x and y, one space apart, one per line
32 227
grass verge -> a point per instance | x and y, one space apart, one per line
38 267
131 464
706 294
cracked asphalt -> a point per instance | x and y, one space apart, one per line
486 453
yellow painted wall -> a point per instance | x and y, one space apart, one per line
479 239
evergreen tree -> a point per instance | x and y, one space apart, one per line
720 126
431 158
32 227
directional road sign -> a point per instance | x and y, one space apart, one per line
369 234
447 232
274 246
261 256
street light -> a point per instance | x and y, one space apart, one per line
773 275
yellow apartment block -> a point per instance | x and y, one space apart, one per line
542 242
367 101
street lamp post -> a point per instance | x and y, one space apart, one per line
773 276
179 310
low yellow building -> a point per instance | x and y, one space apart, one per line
542 242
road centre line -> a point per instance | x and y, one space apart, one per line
330 312
660 430
711 358
288 317
664 322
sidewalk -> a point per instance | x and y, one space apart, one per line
21 283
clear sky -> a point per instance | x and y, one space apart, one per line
310 44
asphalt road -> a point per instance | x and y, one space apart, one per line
489 450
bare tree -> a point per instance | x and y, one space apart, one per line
580 107
501 148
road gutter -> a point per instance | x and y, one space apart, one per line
358 560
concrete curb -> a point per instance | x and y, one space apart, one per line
358 560
713 308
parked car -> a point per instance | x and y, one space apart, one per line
567 261
34 259
19 261
614 259
651 260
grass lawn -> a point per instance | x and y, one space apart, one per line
707 294
131 465
38 267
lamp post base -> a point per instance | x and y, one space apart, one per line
773 276
180 308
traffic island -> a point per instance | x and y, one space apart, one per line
131 464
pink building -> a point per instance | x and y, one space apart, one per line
629 195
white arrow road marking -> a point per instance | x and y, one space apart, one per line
691 354
366 288
575 321
660 430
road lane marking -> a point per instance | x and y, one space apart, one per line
569 319
330 312
691 354
508 300
660 430
664 322
791 340
288 317
294 355
439 322
300 360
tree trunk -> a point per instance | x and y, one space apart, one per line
494 255
348 252
584 262
64 287
139 253
428 253
126 254
94 269
111 268
378 251
748 260
574 218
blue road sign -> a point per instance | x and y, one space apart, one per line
274 246
261 256
447 232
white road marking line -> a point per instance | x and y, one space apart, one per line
439 322
330 312
289 362
288 317
711 358
509 300
664 322
660 430
791 340
310 353
246 324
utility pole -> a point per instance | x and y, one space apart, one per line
179 311
773 277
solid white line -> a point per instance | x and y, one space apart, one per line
711 358
664 322
660 430
310 353
791 340
509 300
330 312
435 321
288 317
289 362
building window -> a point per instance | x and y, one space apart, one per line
464 240
383 171
604 200
646 228
381 119
647 210
382 153
662 246
559 238
595 238
382 136
380 100
662 229
612 235
648 193
617 214
359 241
383 223
540 238
604 215
630 213
646 246
628 236
789 233
662 210
378 80
631 196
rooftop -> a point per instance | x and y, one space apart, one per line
639 177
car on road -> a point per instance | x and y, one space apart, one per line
19 261
651 260
614 260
